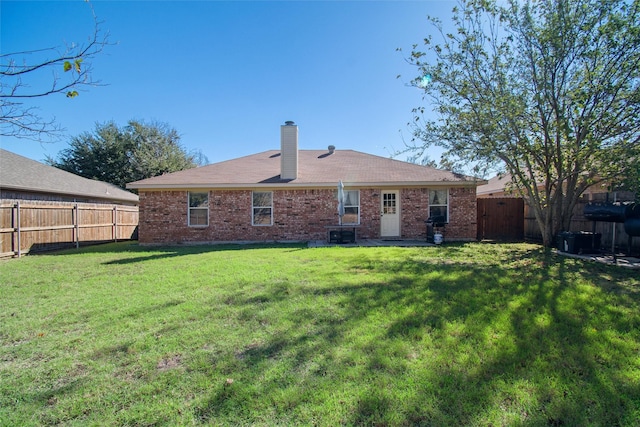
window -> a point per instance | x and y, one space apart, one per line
351 207
262 208
439 204
389 203
198 209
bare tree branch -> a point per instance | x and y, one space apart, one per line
70 69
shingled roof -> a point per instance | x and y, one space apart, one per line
19 173
496 185
317 169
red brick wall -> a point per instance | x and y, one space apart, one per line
369 214
297 215
463 212
414 205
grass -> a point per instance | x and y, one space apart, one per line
468 334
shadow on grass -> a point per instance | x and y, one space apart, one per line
456 335
161 252
524 339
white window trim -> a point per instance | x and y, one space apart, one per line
351 206
202 208
442 204
253 209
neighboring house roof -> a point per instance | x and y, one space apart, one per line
317 169
496 186
19 173
499 186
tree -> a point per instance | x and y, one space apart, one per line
122 155
19 74
548 91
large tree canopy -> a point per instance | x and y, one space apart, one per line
40 72
122 155
548 91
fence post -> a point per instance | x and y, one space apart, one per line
115 223
16 228
76 225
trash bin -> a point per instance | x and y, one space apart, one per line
579 242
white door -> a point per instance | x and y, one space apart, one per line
390 214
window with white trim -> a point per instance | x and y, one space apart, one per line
439 204
262 208
351 207
198 209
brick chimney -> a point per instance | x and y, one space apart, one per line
289 151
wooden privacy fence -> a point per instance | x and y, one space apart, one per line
31 226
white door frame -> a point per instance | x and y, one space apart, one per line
390 214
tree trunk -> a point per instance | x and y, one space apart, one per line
544 221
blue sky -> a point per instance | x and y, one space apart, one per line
226 75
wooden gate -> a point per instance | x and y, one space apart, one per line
501 219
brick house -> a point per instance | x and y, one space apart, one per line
291 195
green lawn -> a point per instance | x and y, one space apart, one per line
473 334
